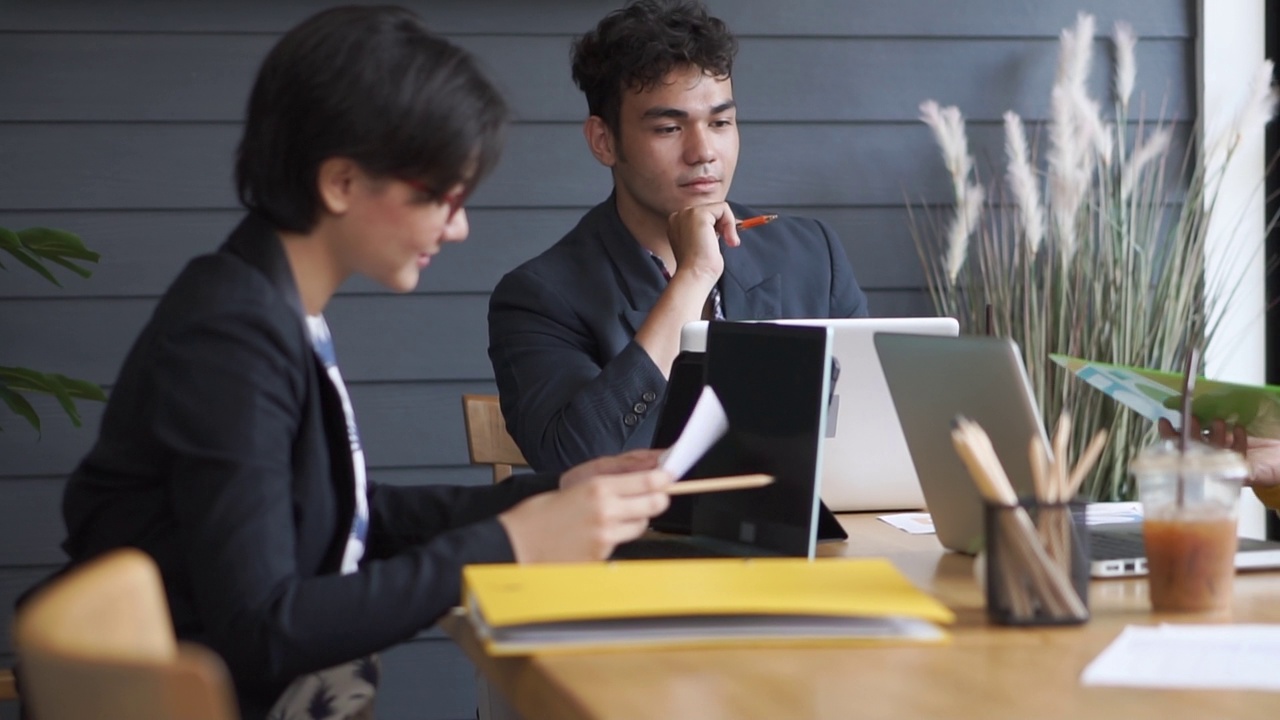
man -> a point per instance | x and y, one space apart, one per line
583 336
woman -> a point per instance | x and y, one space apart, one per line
229 451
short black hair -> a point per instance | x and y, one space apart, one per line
634 48
372 84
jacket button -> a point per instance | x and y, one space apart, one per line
640 407
630 419
649 396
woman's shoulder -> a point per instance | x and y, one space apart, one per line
221 289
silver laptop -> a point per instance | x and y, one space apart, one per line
866 462
934 379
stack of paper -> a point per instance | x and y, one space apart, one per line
663 603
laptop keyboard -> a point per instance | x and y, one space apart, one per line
1116 546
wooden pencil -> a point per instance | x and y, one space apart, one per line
719 484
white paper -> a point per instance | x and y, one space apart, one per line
1107 513
916 523
707 424
1100 513
1225 657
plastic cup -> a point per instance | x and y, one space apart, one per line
1189 503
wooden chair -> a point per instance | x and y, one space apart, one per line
489 443
99 643
487 437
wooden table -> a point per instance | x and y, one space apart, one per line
985 672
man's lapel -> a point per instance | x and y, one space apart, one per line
746 291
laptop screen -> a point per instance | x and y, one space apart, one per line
983 378
867 465
934 379
772 381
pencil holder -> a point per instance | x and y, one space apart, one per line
1037 563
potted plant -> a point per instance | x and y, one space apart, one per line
1098 252
37 248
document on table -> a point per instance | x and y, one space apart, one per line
1219 657
1099 513
916 523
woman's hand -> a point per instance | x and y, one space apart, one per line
588 517
632 461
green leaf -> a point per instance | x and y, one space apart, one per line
61 387
20 406
68 405
10 243
48 242
59 247
82 272
46 383
82 389
31 247
25 379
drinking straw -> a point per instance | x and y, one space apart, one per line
1184 438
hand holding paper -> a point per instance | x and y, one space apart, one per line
707 424
1156 394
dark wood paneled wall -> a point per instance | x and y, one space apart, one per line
118 121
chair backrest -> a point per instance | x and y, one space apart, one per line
487 437
8 689
99 643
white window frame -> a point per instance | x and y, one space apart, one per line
1231 44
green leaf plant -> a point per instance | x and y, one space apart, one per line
1095 249
37 248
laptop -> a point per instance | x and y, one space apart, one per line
866 464
773 382
933 379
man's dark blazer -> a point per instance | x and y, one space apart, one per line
224 454
573 383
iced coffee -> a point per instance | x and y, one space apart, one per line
1189 503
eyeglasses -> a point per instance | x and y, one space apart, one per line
453 199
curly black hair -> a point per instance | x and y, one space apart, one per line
634 48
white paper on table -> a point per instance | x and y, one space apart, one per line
1107 513
707 424
916 523
1226 657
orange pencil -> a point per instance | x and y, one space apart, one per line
756 221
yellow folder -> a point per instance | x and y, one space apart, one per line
519 609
